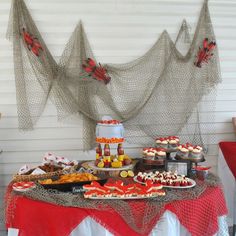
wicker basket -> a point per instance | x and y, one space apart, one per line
18 178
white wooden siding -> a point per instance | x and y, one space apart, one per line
119 31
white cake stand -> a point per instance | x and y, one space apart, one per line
110 171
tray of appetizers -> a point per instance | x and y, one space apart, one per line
67 182
118 190
166 179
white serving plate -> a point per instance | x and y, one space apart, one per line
92 165
120 198
23 186
174 187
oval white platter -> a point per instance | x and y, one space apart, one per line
121 198
175 187
92 165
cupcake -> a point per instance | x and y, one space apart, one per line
150 155
145 151
173 142
160 153
158 142
199 147
196 153
189 146
162 143
183 151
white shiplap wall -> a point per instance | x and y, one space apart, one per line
119 31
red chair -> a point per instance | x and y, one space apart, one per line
227 174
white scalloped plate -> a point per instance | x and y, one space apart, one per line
122 198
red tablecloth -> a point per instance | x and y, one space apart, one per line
35 218
229 151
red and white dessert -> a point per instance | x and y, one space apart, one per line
189 150
196 153
173 142
151 153
162 142
164 178
183 151
119 190
160 153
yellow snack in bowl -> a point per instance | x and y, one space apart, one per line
101 164
121 157
116 164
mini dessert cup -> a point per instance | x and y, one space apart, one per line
150 155
161 153
202 172
145 151
162 143
173 142
196 153
183 152
158 142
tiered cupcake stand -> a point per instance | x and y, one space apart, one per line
171 154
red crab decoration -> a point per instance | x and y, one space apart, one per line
97 72
204 53
32 43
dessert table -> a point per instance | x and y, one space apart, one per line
227 174
204 215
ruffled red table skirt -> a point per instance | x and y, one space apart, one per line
34 218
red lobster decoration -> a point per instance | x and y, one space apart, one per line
32 43
204 53
97 72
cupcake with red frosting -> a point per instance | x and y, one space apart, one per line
183 151
150 155
162 143
196 152
160 153
189 146
173 142
145 151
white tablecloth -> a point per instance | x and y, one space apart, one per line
168 225
229 187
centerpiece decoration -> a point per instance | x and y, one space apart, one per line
109 131
110 154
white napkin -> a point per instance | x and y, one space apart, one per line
24 169
38 171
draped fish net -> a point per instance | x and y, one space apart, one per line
141 216
159 94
